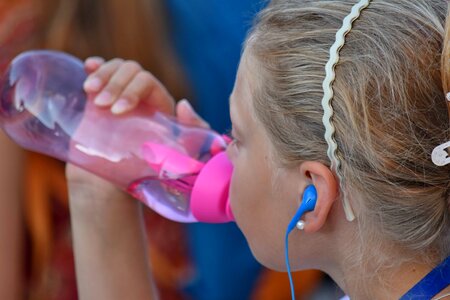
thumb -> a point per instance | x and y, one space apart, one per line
186 115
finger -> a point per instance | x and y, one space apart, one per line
92 63
96 80
186 115
144 86
118 83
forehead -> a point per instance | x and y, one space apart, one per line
241 98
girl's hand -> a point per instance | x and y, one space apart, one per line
107 225
123 84
126 80
120 85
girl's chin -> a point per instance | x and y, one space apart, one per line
268 259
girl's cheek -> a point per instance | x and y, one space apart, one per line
231 152
232 191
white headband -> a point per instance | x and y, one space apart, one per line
328 96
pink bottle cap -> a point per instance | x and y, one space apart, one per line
210 194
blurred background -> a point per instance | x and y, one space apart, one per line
193 47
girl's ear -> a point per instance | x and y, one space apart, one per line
316 173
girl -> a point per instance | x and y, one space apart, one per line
381 222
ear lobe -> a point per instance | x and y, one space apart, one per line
327 191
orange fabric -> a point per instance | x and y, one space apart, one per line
275 285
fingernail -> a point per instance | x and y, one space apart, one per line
103 99
95 60
120 106
92 84
188 106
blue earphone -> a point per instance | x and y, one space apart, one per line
308 203
309 200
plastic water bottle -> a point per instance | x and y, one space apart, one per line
179 171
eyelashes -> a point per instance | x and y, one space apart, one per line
234 141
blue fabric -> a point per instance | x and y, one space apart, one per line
225 266
432 284
208 36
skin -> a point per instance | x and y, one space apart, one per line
109 240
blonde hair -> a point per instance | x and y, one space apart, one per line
389 103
